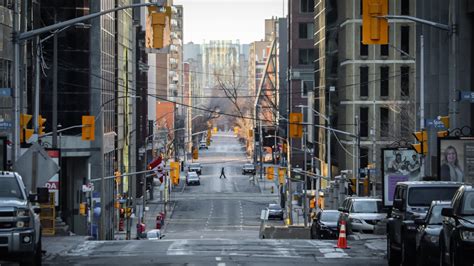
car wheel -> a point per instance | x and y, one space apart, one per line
392 257
442 258
405 256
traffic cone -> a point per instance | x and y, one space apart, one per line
342 241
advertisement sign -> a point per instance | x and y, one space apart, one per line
398 165
53 182
456 159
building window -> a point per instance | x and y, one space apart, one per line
307 6
405 39
364 121
306 30
306 85
405 81
405 129
384 50
384 122
7 3
364 157
364 49
405 10
384 81
306 56
364 81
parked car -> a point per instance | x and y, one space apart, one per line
457 234
248 168
427 235
361 214
275 211
20 227
195 167
203 145
411 200
324 225
154 234
192 178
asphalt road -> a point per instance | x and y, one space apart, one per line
217 223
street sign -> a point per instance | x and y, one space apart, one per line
5 125
5 92
466 96
45 167
264 215
435 123
88 187
371 171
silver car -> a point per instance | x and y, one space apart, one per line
361 214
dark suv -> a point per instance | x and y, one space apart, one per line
411 201
457 236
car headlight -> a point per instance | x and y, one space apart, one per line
22 224
355 220
432 239
467 235
22 213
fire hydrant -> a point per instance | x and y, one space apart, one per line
159 221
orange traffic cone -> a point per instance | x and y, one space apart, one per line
342 241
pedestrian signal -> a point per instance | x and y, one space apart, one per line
270 172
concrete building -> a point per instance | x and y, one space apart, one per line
300 68
373 87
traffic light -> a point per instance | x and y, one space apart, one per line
250 133
158 33
174 172
445 121
270 172
422 138
374 28
25 133
88 127
296 128
41 122
195 154
284 147
118 176
281 175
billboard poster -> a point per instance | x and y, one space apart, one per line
456 159
398 165
53 182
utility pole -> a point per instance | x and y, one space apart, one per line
422 97
55 90
16 94
453 26
305 185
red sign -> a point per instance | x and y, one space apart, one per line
154 163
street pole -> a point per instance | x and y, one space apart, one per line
305 185
260 148
422 96
355 172
17 94
55 90
453 104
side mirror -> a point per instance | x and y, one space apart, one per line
37 210
42 194
419 221
341 209
398 204
448 212
162 236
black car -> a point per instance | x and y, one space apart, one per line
325 225
427 235
457 234
248 168
275 211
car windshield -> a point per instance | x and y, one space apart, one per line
195 165
366 206
329 216
274 207
10 188
468 204
423 196
192 174
248 166
435 216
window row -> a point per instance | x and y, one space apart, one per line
384 81
383 126
404 7
404 48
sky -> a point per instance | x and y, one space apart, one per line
244 20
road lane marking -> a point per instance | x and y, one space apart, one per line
220 264
218 258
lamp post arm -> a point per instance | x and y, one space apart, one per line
419 20
32 33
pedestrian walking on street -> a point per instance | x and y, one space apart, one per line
222 174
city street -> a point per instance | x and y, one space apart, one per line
218 222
